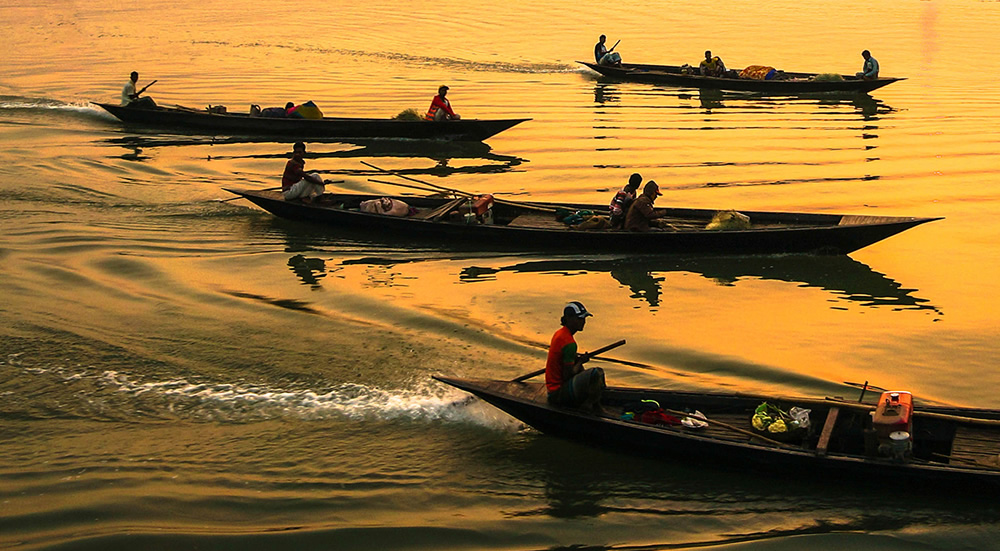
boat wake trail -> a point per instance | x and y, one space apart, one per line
81 393
28 106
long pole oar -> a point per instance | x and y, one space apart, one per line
615 46
421 188
241 197
325 182
587 356
460 192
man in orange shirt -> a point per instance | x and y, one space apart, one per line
440 109
568 383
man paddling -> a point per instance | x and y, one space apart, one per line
130 97
603 55
567 382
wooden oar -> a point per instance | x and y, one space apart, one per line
460 192
241 197
586 357
615 46
325 182
144 88
421 188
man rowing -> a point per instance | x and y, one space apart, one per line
604 56
130 97
567 382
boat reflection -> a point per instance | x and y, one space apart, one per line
440 152
842 276
700 501
607 90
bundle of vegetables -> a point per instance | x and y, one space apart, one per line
771 418
409 115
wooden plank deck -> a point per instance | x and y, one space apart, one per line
976 446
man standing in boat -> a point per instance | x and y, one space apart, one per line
567 382
130 97
295 182
641 214
440 109
870 69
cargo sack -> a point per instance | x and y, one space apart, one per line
307 110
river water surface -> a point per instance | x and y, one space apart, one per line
180 372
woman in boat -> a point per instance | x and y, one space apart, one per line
440 109
623 200
295 182
567 382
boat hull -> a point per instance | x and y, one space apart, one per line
328 127
526 402
777 233
798 83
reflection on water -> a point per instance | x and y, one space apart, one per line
743 505
847 278
440 152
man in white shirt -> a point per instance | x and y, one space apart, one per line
128 92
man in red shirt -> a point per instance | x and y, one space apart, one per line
565 379
440 109
295 182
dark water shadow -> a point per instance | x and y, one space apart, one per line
847 279
613 91
720 506
442 153
315 249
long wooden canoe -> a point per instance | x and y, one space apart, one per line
533 226
795 83
473 130
948 445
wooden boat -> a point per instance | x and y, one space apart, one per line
533 226
473 130
794 83
948 445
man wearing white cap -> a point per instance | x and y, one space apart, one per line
568 383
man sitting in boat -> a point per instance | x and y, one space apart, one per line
712 66
641 214
623 200
567 382
604 56
440 109
130 97
295 182
870 69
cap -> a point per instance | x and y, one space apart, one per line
651 185
576 310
